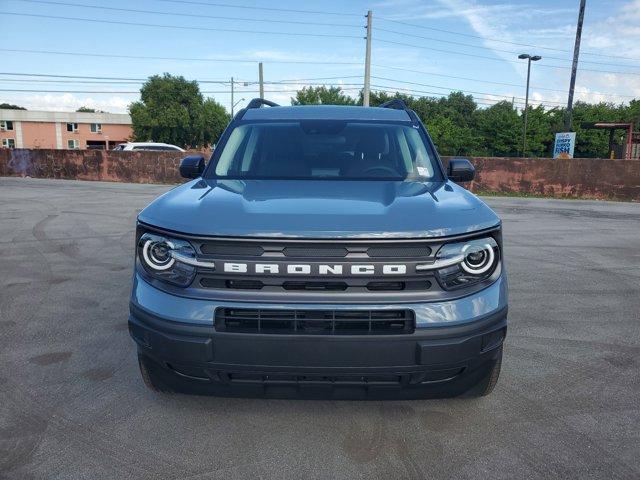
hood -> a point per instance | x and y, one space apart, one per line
319 209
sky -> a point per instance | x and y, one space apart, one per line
420 47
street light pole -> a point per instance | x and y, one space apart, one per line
232 105
236 104
529 59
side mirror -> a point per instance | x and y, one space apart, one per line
192 166
460 170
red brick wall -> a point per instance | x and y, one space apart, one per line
136 167
576 178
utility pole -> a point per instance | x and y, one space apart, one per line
367 63
574 69
232 97
526 112
261 80
529 59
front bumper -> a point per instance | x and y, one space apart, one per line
454 344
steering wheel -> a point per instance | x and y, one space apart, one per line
382 169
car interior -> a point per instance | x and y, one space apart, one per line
324 150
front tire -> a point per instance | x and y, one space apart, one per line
488 382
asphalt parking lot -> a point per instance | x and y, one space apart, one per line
72 404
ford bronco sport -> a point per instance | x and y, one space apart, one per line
323 251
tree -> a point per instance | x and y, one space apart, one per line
501 129
9 106
172 110
322 96
459 127
89 110
215 120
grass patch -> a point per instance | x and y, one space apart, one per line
538 195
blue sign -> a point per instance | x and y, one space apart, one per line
565 144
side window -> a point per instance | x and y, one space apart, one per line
6 125
72 127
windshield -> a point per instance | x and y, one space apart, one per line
326 149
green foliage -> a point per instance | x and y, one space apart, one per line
500 128
214 119
9 106
459 127
322 96
172 110
595 143
89 110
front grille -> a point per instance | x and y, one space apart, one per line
317 286
231 249
396 251
301 249
331 269
315 322
314 251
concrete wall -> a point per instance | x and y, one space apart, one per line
576 178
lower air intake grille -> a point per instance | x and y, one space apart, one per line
315 322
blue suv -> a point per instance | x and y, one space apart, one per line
323 251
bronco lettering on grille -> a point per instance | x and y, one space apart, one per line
315 269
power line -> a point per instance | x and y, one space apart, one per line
424 92
190 59
500 59
474 55
68 79
395 32
191 15
312 79
237 60
269 9
529 45
410 70
454 89
83 77
121 92
181 27
128 92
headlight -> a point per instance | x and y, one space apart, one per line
161 258
467 263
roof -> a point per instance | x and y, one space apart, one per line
64 117
606 125
148 144
326 112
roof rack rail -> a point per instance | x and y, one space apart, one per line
259 102
396 103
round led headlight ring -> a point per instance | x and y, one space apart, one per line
478 261
157 254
